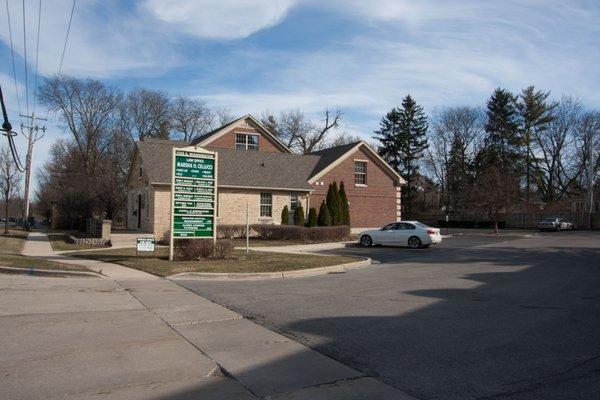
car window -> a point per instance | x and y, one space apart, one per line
403 226
389 227
420 225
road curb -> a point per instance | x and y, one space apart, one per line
252 276
47 272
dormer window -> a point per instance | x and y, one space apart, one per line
246 141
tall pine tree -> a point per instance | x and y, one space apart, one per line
403 141
503 142
334 204
344 205
323 219
536 114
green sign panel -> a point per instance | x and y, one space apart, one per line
193 194
194 183
194 189
191 167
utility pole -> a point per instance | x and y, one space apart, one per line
591 181
32 137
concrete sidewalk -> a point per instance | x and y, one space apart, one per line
134 335
302 248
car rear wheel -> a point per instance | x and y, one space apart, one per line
414 242
366 241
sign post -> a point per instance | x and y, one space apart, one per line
193 195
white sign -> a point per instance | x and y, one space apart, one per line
144 244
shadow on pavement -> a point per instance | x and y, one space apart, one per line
527 332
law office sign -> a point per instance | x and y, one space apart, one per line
194 194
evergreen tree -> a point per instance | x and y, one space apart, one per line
312 218
324 219
536 113
503 141
285 216
403 141
344 205
299 215
334 204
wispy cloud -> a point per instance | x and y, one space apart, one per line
219 19
360 56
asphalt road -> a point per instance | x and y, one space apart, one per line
477 317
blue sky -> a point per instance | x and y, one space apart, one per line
359 56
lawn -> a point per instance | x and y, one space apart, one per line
59 243
255 261
10 254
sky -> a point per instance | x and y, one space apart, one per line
361 57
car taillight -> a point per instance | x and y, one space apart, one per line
431 232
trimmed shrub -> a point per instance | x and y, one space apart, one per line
164 239
231 231
223 249
328 233
323 219
334 204
193 249
312 217
301 233
285 215
299 216
264 231
345 207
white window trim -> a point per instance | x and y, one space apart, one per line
361 173
246 144
260 206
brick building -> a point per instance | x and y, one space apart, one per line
257 169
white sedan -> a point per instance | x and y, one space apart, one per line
406 233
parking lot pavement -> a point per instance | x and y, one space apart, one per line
473 318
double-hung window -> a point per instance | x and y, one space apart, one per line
246 142
360 173
293 201
266 205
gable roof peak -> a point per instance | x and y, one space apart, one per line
215 133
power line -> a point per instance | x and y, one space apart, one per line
62 57
37 54
12 54
25 55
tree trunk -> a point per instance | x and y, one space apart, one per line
496 231
6 215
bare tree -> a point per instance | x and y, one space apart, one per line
587 142
496 191
190 118
147 114
9 181
456 136
85 174
223 117
302 135
555 159
88 110
343 138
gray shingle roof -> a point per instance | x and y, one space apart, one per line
236 167
327 156
209 134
